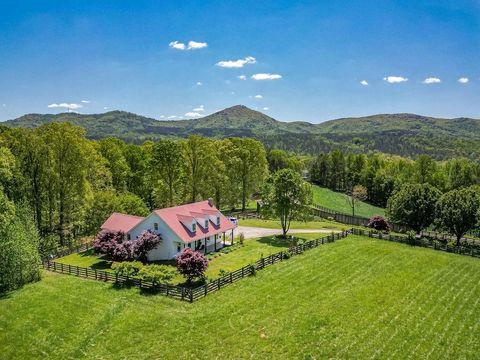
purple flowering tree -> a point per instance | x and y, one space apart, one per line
144 243
191 264
379 223
107 241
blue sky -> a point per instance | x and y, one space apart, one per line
116 55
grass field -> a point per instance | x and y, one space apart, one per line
310 225
338 201
241 255
355 298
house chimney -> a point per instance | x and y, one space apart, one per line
210 201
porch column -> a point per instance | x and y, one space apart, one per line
205 250
215 242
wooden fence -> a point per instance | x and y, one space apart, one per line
465 249
57 253
185 293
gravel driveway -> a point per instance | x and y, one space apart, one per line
256 232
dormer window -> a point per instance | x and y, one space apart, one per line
194 227
155 226
218 220
206 223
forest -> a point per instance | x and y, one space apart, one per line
58 186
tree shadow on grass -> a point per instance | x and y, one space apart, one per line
280 241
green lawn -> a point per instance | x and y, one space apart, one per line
338 201
355 298
309 225
239 256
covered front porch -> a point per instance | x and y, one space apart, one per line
213 243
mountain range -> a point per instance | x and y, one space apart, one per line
402 134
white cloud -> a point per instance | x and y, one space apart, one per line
199 83
172 117
193 114
66 106
432 80
236 63
200 108
364 83
242 77
266 108
177 45
162 116
193 45
258 97
395 79
463 80
266 76
85 101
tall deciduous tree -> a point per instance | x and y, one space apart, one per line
414 205
68 174
250 166
198 157
457 212
167 167
287 196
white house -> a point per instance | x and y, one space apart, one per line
200 226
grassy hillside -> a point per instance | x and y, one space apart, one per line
356 298
402 134
338 201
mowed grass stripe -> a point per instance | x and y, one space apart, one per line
413 321
338 296
392 313
416 316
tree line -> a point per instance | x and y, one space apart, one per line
70 184
382 174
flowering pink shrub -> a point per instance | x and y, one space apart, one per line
106 242
144 243
378 223
114 245
191 264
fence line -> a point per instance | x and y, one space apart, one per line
324 212
192 294
466 249
185 293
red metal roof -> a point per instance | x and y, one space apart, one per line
121 222
171 217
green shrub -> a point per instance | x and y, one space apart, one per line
127 268
223 273
411 236
157 274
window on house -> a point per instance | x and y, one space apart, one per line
189 245
178 247
128 237
155 226
218 220
206 224
194 227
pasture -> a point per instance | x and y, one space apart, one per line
355 298
339 202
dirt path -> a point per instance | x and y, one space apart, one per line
255 232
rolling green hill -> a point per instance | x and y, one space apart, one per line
338 201
401 134
355 298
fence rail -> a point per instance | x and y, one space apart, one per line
186 293
192 294
465 249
